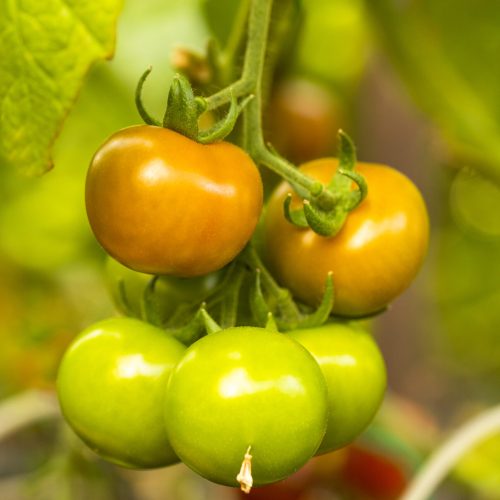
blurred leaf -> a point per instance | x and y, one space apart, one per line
467 286
447 54
73 475
332 42
475 57
475 204
220 15
47 47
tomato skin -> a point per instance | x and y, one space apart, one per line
375 255
246 386
111 385
161 203
355 376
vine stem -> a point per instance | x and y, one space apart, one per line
25 409
251 83
442 461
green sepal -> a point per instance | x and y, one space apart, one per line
347 152
295 217
149 310
346 173
146 117
123 299
280 298
324 223
225 126
322 313
258 304
230 300
183 108
192 331
199 325
355 197
271 323
211 326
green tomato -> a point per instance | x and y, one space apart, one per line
111 386
355 376
170 291
241 387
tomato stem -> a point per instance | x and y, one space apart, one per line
329 204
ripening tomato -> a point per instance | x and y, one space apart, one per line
111 386
161 203
355 375
375 255
241 387
304 118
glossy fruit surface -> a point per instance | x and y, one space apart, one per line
170 291
242 387
374 257
355 376
111 386
161 203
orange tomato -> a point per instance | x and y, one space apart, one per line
374 257
161 203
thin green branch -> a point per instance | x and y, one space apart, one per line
442 461
239 88
251 83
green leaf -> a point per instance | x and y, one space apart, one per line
46 49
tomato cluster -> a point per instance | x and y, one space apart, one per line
140 398
242 403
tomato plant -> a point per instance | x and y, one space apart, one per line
355 377
175 207
246 387
111 383
374 257
161 203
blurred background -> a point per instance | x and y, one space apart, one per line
416 83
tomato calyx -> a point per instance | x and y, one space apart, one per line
326 215
272 305
247 294
184 110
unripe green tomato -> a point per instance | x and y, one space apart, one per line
242 387
355 376
111 386
170 291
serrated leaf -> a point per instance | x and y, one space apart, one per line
46 49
